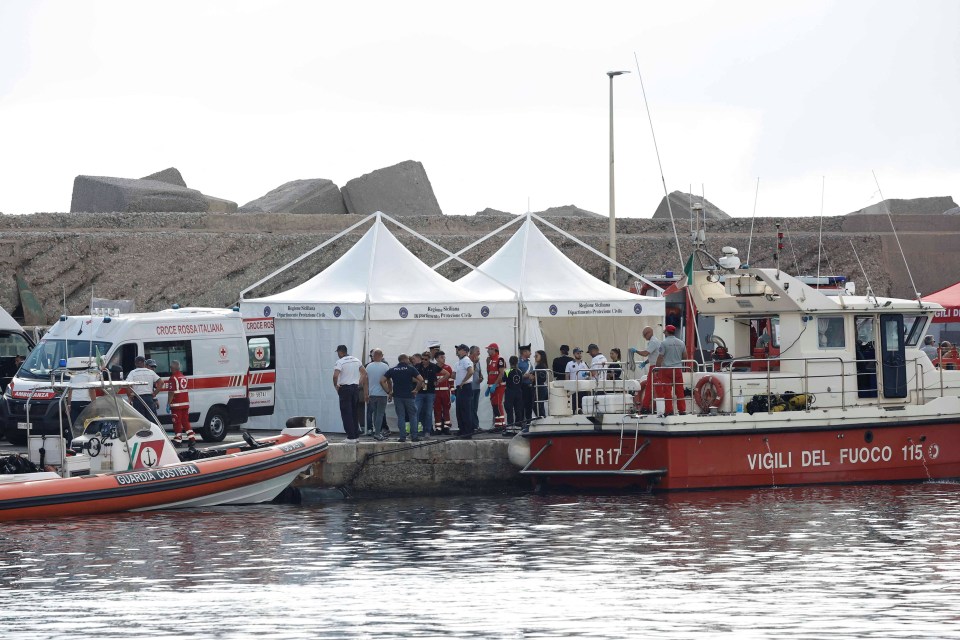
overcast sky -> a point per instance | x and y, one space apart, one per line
500 101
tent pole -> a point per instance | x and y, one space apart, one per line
366 300
592 250
453 256
304 256
426 239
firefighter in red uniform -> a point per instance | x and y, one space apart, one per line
496 368
441 401
178 404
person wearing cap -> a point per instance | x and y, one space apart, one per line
526 388
668 375
496 369
463 390
475 387
425 399
348 377
598 363
560 363
402 383
145 381
433 346
577 370
441 401
513 395
649 353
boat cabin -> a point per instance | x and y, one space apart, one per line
774 334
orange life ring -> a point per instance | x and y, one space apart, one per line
708 393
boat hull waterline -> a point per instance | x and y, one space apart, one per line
880 453
246 477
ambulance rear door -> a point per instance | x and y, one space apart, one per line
262 378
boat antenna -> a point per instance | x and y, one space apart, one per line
864 272
886 205
666 194
796 263
823 186
776 255
750 241
832 270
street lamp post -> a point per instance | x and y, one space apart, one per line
613 215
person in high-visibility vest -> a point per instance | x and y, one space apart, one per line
178 404
441 401
496 368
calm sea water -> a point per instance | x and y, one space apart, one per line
864 562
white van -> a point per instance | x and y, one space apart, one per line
211 345
14 343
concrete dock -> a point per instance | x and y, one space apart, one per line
443 465
439 466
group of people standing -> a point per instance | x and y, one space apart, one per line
424 388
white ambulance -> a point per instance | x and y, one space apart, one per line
215 355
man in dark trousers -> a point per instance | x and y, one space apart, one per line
348 376
463 390
402 383
527 390
560 363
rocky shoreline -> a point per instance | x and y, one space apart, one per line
207 258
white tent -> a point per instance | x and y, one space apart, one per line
560 303
378 294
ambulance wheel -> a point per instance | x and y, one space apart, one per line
16 437
215 429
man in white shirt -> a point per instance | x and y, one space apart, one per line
577 370
145 386
598 363
463 388
348 376
649 354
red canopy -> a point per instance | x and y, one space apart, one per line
949 298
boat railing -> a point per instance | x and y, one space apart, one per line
833 381
743 372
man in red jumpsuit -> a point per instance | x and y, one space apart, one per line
441 401
496 385
178 404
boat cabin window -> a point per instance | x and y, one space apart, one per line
913 329
765 332
164 352
830 332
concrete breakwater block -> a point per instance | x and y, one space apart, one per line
161 192
680 205
912 206
431 467
102 194
170 175
316 195
401 190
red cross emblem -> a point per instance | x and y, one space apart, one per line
223 352
258 353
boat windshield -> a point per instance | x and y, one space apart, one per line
100 417
48 354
